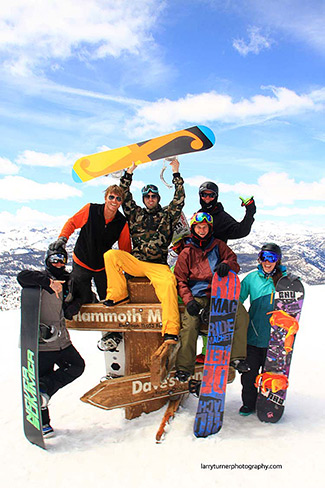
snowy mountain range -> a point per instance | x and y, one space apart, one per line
303 253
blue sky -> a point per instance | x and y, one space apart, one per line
84 75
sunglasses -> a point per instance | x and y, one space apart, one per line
114 197
57 258
270 256
206 194
153 197
145 190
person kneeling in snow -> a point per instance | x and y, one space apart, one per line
55 347
202 256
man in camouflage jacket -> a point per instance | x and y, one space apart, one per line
151 229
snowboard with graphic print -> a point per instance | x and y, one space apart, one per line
224 301
193 139
273 383
29 337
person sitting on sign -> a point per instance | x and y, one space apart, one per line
101 226
151 229
58 361
200 258
259 286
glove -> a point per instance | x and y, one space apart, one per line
170 337
249 203
193 308
71 309
222 269
60 242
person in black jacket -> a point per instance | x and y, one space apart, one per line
101 225
59 362
224 225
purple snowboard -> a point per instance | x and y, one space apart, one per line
273 382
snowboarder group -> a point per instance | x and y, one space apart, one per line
150 228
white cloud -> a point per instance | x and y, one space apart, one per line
26 217
7 167
167 114
297 18
19 189
257 42
272 189
34 158
36 32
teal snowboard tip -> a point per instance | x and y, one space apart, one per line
75 177
208 133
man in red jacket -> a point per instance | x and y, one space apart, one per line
201 257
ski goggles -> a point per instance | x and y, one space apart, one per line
114 197
270 256
146 189
57 258
208 194
201 217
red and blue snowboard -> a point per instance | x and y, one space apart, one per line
273 383
223 308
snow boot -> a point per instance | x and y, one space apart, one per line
245 411
48 431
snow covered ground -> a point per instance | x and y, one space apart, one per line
93 447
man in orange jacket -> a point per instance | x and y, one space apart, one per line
101 226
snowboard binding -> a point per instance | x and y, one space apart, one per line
290 324
271 381
194 387
48 333
109 341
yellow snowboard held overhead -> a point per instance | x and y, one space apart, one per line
193 139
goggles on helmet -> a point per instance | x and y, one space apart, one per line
145 190
201 217
57 258
270 256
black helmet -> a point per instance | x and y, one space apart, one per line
60 253
209 205
210 186
271 246
150 188
57 255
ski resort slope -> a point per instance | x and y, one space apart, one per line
93 447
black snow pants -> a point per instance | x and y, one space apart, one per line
69 366
256 359
81 282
